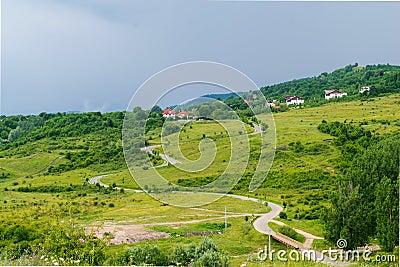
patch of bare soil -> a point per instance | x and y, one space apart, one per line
127 234
331 169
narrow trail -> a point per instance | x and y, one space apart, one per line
52 163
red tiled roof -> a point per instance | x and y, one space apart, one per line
183 113
169 111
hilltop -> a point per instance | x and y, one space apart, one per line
381 78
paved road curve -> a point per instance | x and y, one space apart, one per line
149 149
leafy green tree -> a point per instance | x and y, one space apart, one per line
366 204
204 111
347 219
387 210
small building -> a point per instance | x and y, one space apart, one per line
183 114
329 94
294 100
365 89
169 113
271 103
248 101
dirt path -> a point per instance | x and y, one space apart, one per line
52 163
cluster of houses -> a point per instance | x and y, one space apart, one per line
170 113
290 100
329 94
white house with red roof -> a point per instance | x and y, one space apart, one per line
183 114
329 94
294 100
169 113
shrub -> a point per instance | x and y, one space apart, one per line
151 255
287 231
282 215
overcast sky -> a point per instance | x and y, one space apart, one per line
90 55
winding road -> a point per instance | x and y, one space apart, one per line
149 149
260 224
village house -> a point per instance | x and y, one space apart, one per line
364 89
183 114
294 100
329 94
169 113
271 103
247 101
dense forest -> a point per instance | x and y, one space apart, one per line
366 203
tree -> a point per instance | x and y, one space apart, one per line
366 204
347 219
204 111
387 210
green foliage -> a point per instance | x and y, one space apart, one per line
48 132
351 139
205 254
74 246
387 209
55 244
147 255
366 204
282 215
287 231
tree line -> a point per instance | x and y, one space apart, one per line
366 203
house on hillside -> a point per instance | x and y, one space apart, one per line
169 113
365 89
329 94
183 115
271 103
248 101
294 100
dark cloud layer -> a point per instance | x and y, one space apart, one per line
92 54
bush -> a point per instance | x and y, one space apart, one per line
205 254
147 255
282 215
289 232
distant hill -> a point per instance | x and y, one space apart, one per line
222 96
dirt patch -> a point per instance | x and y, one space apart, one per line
127 234
331 169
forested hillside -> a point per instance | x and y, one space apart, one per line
380 78
82 139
